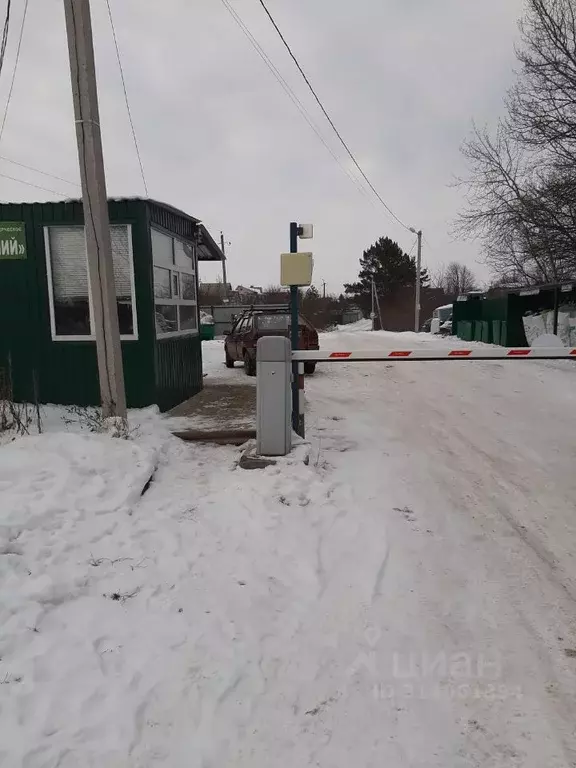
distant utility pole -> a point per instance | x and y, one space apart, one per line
223 249
375 308
418 280
323 289
95 204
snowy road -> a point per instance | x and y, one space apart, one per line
472 467
408 600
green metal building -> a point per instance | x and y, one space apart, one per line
47 346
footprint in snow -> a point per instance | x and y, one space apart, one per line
407 513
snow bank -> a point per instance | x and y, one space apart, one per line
542 324
68 475
160 633
59 495
361 325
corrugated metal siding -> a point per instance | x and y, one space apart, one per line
68 374
178 370
66 371
168 220
19 309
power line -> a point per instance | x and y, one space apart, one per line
428 244
288 90
290 93
126 97
327 116
15 67
37 170
5 33
2 53
36 186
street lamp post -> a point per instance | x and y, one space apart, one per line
418 280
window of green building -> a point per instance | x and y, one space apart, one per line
69 294
176 304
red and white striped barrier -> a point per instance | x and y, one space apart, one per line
399 355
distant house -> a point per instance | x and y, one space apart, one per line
215 290
47 342
245 294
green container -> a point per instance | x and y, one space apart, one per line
496 331
207 332
477 330
464 330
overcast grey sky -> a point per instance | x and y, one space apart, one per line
219 138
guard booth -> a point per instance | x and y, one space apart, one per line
47 342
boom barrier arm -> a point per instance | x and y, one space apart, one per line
497 353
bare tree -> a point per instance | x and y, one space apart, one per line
437 277
521 191
458 278
542 104
454 278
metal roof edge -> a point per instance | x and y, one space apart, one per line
209 250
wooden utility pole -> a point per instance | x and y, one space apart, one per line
95 204
418 283
376 314
223 249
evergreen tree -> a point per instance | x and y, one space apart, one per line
312 293
391 269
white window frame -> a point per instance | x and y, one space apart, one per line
177 301
91 336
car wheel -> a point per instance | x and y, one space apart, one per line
309 368
249 365
229 360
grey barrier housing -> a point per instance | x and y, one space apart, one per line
273 398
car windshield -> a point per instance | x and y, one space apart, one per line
273 322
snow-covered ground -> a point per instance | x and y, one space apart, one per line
407 600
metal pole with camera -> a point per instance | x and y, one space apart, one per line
296 270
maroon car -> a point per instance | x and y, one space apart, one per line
240 344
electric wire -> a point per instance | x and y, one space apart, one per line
30 184
5 33
9 98
290 93
327 116
133 129
5 159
